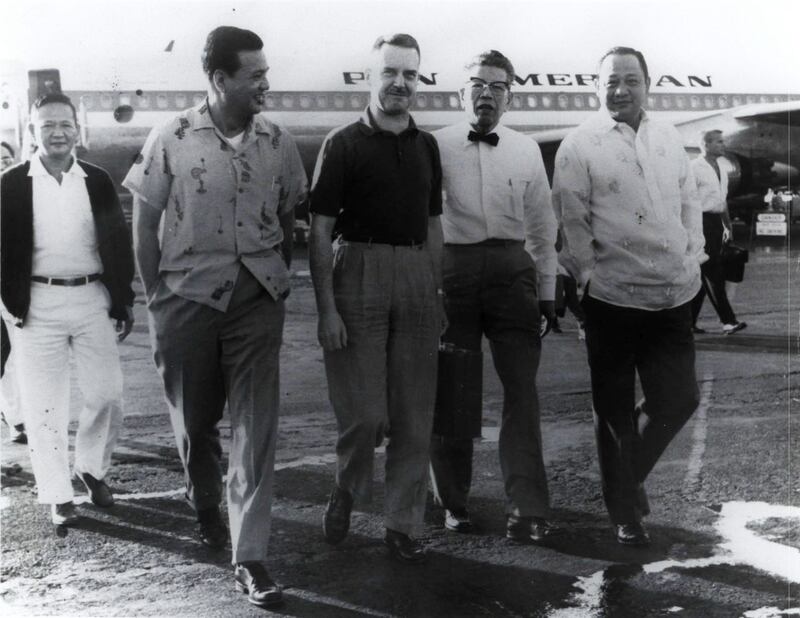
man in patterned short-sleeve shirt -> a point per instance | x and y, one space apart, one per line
632 231
214 196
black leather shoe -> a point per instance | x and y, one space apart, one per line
530 529
632 534
252 578
403 548
336 521
212 530
64 514
457 521
99 492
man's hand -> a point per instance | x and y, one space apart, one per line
548 310
727 235
124 327
331 332
443 323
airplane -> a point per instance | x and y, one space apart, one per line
126 94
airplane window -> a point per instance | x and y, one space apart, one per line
305 101
516 102
322 100
180 100
695 101
338 101
355 102
422 100
123 113
651 102
105 100
751 98
563 101
723 101
161 101
453 100
547 101
144 101
666 103
680 102
269 102
198 98
287 101
763 99
737 100
88 101
438 102
593 102
532 101
577 101
124 99
709 101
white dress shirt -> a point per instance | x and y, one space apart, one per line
498 192
64 238
628 207
712 191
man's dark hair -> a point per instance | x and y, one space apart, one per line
8 147
55 97
493 58
398 39
626 51
223 45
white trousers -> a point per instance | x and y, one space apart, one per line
61 319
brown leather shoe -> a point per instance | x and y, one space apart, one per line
633 533
403 548
253 579
64 514
530 529
212 530
99 492
336 521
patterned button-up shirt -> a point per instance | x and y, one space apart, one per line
221 204
630 216
499 192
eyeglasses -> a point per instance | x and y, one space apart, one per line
496 88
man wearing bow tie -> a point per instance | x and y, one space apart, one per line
499 279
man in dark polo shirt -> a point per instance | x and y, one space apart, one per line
377 187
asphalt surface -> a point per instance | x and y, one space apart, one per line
725 499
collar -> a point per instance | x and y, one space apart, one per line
200 118
368 125
604 121
37 168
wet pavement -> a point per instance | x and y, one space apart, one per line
725 499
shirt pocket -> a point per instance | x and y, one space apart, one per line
515 189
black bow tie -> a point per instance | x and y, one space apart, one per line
489 138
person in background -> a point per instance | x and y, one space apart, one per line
499 279
712 188
631 222
67 266
377 186
223 181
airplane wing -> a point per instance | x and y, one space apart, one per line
787 113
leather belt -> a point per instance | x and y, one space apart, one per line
380 241
67 282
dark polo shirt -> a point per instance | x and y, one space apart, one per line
381 187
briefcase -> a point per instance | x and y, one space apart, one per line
459 393
733 260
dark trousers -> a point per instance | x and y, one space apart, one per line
491 289
205 358
713 272
658 345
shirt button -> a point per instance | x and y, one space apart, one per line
240 224
241 190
